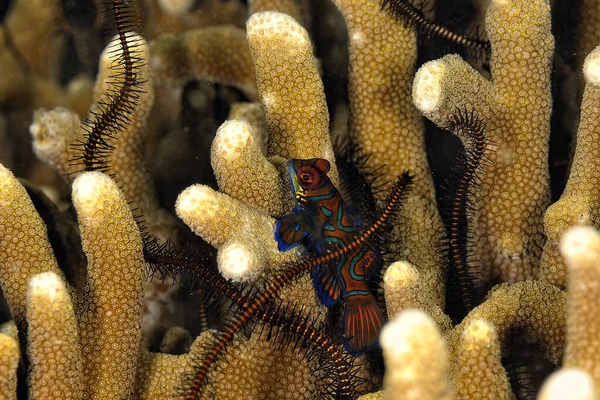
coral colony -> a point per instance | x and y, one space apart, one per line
236 200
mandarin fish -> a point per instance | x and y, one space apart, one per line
321 221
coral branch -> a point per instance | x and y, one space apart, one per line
236 158
111 309
571 383
416 358
35 28
399 193
253 114
580 201
9 360
387 128
222 221
120 144
536 306
508 208
290 89
581 249
217 54
402 287
24 247
56 368
384 123
289 7
479 373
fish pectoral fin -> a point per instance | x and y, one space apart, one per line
327 285
289 231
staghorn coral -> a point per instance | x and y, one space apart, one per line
218 54
59 138
53 339
107 330
581 247
112 303
55 132
479 372
579 203
290 7
235 152
472 348
33 43
25 248
35 26
402 287
292 120
389 130
383 118
298 122
216 217
253 114
176 16
85 347
476 353
43 288
237 157
9 360
238 223
516 108
415 358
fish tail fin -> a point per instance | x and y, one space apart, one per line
363 320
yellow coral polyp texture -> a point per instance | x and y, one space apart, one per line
416 358
85 347
290 88
580 201
516 104
260 64
56 369
479 372
9 360
113 298
236 157
25 249
390 133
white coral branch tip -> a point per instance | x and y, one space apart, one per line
591 67
236 261
47 284
196 199
568 383
273 23
480 330
176 7
427 87
89 190
232 136
397 337
400 274
580 246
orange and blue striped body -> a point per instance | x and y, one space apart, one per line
322 221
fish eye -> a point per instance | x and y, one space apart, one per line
306 177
